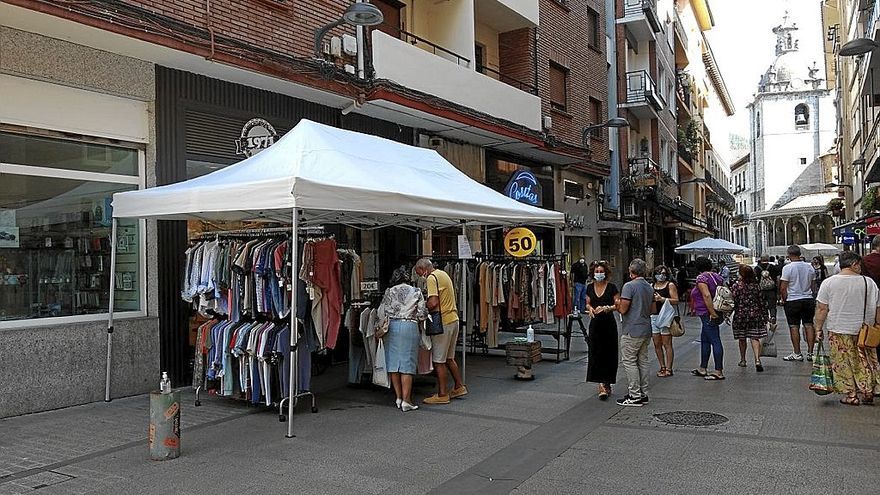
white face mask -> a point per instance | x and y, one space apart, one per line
660 277
599 276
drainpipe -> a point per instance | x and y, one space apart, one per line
613 190
210 25
360 50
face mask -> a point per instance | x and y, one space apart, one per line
600 276
660 278
582 260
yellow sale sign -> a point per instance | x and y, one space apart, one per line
520 242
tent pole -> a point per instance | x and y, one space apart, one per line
463 297
114 224
293 388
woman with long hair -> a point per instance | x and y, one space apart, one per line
602 297
749 315
664 290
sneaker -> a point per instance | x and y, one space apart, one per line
643 399
629 402
810 356
436 400
458 392
793 357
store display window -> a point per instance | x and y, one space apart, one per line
55 219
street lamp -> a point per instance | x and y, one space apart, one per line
858 46
357 14
832 185
615 122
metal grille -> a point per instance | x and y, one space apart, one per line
691 418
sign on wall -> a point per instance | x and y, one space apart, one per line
256 135
520 242
525 188
873 225
849 238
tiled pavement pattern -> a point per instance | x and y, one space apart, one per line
546 436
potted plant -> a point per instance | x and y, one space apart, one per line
835 206
869 200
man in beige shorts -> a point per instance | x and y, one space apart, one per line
441 296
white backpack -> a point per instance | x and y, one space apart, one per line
723 300
766 282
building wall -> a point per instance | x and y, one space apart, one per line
66 362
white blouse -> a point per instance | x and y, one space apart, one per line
403 302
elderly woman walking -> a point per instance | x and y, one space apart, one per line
710 336
404 307
845 301
750 315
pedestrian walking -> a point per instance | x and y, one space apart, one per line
845 302
580 273
749 315
664 290
796 287
710 335
871 262
602 352
441 297
635 305
768 280
818 264
404 307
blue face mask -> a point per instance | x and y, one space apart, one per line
660 277
599 276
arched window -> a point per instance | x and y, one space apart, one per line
801 116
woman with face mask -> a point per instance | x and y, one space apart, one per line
664 290
602 297
818 263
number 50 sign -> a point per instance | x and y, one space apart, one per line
520 242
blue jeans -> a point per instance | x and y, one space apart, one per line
580 296
710 343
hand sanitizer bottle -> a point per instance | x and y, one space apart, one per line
530 334
165 383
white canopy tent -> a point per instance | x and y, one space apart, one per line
317 174
708 245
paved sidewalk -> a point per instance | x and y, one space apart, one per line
547 436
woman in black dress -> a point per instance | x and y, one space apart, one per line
602 298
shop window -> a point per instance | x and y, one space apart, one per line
801 116
55 227
558 87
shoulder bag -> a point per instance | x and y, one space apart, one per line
434 325
869 335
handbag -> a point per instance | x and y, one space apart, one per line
768 347
434 325
822 377
382 328
676 328
380 372
869 335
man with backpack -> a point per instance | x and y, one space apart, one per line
797 286
768 279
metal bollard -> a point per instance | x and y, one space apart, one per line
164 426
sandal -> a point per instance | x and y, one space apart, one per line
759 367
850 401
698 373
742 364
662 372
713 376
603 393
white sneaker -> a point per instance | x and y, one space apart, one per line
406 407
793 357
809 356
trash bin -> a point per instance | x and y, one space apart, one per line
164 426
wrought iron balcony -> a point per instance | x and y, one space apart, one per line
640 17
740 218
642 97
721 194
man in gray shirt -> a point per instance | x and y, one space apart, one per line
636 301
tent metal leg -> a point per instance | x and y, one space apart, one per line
463 306
114 225
293 390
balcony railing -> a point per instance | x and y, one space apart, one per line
684 89
637 7
723 195
684 212
679 30
434 48
740 218
640 88
512 81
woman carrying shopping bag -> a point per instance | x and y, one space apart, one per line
403 306
664 291
749 316
847 301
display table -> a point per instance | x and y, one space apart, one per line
523 355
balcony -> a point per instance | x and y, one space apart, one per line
507 15
684 212
681 43
642 97
740 219
422 65
721 195
648 182
684 95
640 19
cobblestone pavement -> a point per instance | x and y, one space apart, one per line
550 435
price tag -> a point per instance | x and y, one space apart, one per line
520 242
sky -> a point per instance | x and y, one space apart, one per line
743 43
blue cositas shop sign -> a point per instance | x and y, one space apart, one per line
525 188
849 238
